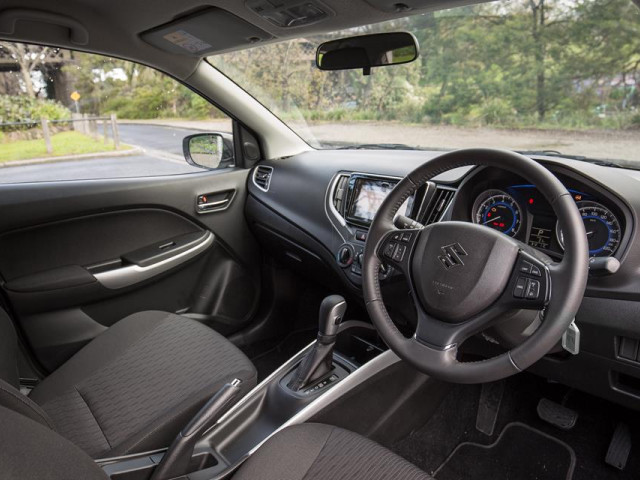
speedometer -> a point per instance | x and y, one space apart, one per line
602 227
498 210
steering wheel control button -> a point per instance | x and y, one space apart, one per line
406 238
398 255
535 271
396 237
533 289
519 289
525 267
389 249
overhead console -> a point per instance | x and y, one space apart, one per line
353 199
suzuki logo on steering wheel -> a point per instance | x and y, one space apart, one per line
451 255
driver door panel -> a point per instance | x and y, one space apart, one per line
76 257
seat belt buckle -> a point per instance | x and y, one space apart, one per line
571 339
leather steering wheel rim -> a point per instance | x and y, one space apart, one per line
566 279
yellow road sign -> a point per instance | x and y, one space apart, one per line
75 96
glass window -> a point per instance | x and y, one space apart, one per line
68 115
561 75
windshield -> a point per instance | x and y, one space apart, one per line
530 75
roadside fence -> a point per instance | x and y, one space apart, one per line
82 123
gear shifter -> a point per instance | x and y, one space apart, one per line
318 363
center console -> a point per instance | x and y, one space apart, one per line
345 355
352 201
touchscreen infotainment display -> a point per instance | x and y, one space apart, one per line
368 194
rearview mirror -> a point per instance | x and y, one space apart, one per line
366 51
209 150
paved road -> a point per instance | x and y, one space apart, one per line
163 146
162 156
156 137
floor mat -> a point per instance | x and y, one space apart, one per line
454 422
511 458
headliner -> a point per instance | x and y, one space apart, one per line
115 26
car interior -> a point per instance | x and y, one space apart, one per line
291 312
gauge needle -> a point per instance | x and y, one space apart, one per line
590 233
492 220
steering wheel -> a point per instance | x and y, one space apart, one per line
465 277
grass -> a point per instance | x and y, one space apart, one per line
64 143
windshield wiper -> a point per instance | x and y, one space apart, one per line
580 158
378 146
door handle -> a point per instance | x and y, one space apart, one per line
214 202
217 205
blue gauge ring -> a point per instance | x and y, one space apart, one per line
601 249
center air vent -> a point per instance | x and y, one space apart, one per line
438 205
262 177
340 193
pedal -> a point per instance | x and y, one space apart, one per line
556 414
619 448
489 406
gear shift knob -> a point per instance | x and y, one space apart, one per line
318 362
332 310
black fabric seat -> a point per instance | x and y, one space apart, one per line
302 452
313 451
133 387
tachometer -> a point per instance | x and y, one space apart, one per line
498 210
602 226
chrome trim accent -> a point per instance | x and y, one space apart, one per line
285 367
109 460
328 201
422 209
253 177
329 196
132 274
361 375
224 205
449 204
512 362
434 347
364 373
335 215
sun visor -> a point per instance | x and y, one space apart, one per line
205 32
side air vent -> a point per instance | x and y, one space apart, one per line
262 177
340 193
438 205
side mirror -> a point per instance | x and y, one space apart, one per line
366 51
209 150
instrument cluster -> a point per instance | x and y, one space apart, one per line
522 212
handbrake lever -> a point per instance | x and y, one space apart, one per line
176 460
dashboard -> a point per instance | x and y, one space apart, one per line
509 204
314 215
496 199
520 211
